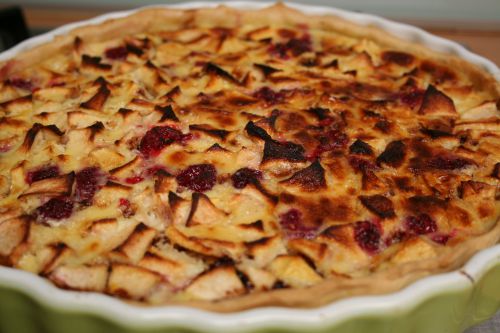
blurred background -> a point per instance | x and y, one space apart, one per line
475 24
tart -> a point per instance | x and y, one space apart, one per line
229 159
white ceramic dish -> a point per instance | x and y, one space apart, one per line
145 318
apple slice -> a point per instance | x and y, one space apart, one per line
131 282
264 250
51 186
138 242
110 233
219 283
87 278
12 233
204 212
259 279
294 271
437 103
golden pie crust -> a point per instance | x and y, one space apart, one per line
229 159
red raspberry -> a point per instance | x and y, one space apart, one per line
198 178
367 235
245 176
42 173
56 209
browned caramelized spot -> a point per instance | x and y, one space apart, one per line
94 62
412 98
436 102
359 147
379 205
33 131
280 285
309 179
271 120
351 73
397 57
485 209
222 262
437 131
167 113
257 225
321 209
403 184
162 182
367 169
371 114
245 280
289 121
287 33
337 233
393 154
212 68
20 83
362 165
294 47
149 64
173 93
131 48
117 53
96 128
332 64
439 73
266 70
256 131
425 203
496 171
383 125
440 161
320 113
369 92
216 147
124 112
289 151
54 129
195 201
271 197
241 100
58 249
97 101
209 130
457 216
448 162
259 242
174 199
77 43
